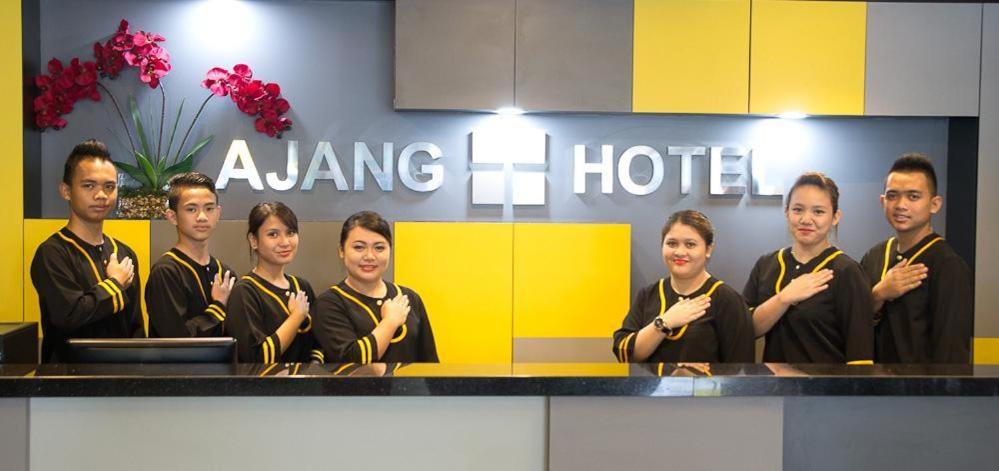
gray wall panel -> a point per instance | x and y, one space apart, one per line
574 55
454 54
922 59
676 433
987 249
14 434
258 433
879 433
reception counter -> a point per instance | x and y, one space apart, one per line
520 416
525 379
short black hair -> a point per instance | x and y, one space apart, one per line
185 181
369 220
916 162
89 149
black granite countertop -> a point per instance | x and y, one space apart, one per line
524 379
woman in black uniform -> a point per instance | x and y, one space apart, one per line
269 309
364 319
812 301
689 316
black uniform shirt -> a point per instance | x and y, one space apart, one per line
256 311
931 323
76 296
723 334
833 326
345 319
179 297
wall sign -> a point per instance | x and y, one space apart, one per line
505 164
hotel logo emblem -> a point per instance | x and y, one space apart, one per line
508 166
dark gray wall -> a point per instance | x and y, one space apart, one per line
334 61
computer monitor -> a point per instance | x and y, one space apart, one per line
162 350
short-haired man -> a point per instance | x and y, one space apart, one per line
923 290
188 288
86 281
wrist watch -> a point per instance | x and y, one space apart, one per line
660 324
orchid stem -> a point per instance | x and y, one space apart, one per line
159 144
117 108
189 128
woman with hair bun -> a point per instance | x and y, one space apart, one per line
689 315
812 301
364 319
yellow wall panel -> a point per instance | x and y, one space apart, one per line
691 56
608 369
570 280
986 351
135 234
11 148
464 273
808 57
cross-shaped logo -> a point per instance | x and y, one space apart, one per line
509 160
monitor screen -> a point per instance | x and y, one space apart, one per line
163 350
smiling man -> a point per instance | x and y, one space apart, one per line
188 288
86 281
922 288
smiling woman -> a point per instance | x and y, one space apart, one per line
812 301
688 316
364 319
269 310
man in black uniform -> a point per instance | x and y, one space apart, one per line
923 295
86 281
188 289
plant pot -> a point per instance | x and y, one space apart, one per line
140 203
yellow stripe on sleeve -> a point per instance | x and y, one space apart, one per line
215 311
620 350
860 362
114 294
318 355
367 348
360 350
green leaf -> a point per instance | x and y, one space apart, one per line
180 167
148 170
197 147
187 163
137 119
174 131
134 172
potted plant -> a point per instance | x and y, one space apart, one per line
143 194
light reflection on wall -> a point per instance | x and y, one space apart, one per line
223 26
777 143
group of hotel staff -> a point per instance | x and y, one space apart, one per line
909 300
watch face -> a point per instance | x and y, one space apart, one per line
658 323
